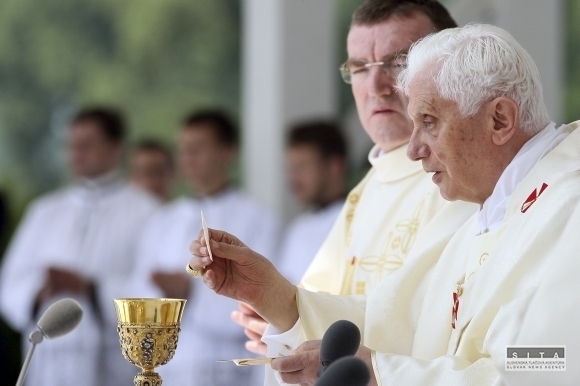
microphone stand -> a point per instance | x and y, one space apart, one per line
35 338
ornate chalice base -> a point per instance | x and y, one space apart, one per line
148 332
148 346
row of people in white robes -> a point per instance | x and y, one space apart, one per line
207 331
89 228
78 241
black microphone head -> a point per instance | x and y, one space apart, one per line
346 371
341 339
60 318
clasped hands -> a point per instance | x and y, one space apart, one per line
239 273
62 280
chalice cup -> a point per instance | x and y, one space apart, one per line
148 332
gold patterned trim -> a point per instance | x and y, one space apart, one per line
346 288
149 324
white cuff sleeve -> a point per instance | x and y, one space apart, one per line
279 345
282 344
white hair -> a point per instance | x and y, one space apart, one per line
478 63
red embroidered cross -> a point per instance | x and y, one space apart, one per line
455 309
533 197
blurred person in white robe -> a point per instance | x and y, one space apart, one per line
316 164
78 242
206 149
151 168
396 207
482 129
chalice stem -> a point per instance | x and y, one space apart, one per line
147 378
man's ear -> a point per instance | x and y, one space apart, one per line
505 114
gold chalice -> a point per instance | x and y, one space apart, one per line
148 331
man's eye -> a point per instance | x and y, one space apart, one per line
400 61
428 124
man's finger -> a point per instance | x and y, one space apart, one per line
209 279
294 378
224 237
238 253
257 347
252 335
247 309
298 368
196 249
309 346
255 324
289 364
197 263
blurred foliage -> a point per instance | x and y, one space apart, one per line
154 59
572 60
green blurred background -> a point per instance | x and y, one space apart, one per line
156 60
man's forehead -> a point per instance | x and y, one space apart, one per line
86 129
389 37
423 92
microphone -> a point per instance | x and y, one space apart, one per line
59 319
346 371
341 339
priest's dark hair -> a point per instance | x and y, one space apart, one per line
216 120
109 120
373 12
325 135
154 145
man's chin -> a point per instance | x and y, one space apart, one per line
448 194
392 132
444 190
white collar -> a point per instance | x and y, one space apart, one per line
493 210
102 181
393 165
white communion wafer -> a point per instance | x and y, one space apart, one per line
206 235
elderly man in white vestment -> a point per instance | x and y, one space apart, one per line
78 242
206 149
396 207
482 130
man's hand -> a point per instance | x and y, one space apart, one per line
174 285
254 327
242 274
301 367
60 280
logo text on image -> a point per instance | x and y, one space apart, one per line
535 358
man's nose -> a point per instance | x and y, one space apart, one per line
417 149
380 83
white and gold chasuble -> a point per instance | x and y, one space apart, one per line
497 275
396 211
393 207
